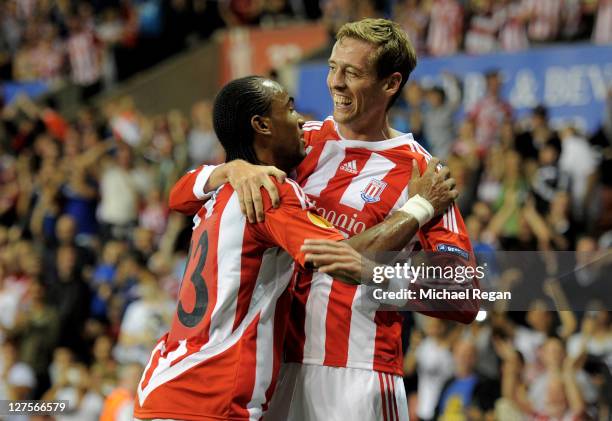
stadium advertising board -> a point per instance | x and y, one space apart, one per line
248 51
570 80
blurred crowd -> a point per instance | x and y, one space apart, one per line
524 186
537 365
91 258
95 43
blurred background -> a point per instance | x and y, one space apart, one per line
105 104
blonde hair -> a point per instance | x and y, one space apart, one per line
395 52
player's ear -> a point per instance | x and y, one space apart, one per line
261 124
393 83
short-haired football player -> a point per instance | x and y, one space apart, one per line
221 357
355 172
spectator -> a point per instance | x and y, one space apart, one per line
434 365
409 117
548 179
466 392
110 31
118 206
602 32
24 63
544 19
547 385
580 162
37 330
512 34
104 367
560 395
73 384
445 27
595 336
70 295
153 216
413 17
438 122
561 223
481 34
48 55
204 148
490 112
538 134
119 405
85 57
17 379
144 322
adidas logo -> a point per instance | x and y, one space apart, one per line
350 167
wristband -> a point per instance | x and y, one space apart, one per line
419 208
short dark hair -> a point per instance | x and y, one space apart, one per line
491 73
440 91
234 106
540 111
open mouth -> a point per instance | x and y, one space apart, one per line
341 101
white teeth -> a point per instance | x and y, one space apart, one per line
342 100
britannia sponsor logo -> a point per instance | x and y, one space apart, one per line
371 192
342 221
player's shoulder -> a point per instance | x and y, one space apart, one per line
319 125
415 148
317 131
291 192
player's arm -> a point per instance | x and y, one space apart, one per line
193 189
446 238
431 194
296 220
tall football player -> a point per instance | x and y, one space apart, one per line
221 357
356 173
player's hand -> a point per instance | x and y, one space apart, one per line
247 180
436 186
338 259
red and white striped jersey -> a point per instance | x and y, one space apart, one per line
481 36
602 33
221 357
83 53
544 19
489 114
355 185
445 28
512 32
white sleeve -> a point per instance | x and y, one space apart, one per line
201 180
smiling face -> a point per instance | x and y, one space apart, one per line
358 95
286 141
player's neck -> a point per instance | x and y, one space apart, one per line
266 157
369 133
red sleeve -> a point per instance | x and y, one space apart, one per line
447 237
294 221
187 195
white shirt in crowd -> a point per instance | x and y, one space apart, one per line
434 368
